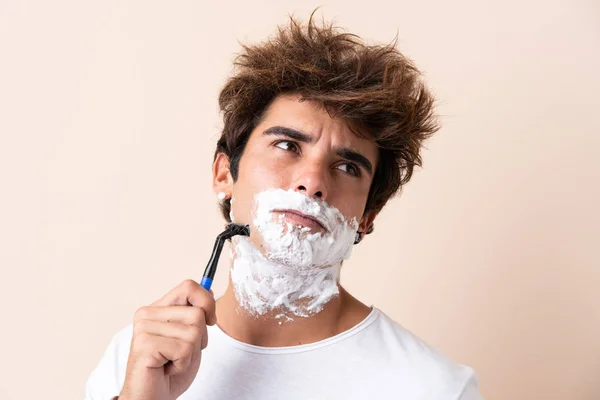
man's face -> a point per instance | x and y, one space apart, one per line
298 146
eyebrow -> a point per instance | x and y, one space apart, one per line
344 152
351 155
289 132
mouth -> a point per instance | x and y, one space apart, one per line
302 219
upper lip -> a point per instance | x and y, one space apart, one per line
303 215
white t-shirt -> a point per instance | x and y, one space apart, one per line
375 359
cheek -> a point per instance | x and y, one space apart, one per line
260 172
350 200
256 173
350 211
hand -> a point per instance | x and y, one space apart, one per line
168 339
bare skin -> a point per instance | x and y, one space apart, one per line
168 338
340 314
328 162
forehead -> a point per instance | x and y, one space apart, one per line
313 119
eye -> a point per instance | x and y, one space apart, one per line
350 168
287 145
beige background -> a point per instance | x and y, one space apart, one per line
108 120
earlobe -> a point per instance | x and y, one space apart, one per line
366 222
222 179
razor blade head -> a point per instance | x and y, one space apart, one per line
237 229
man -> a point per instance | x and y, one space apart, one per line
320 130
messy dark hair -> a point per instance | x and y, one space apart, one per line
374 88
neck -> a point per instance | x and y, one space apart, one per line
341 313
274 305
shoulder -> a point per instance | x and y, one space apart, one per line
120 343
416 363
107 378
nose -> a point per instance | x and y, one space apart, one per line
312 182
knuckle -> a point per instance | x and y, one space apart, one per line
141 314
142 325
186 349
189 285
142 341
138 327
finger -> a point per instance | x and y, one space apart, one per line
155 351
187 333
204 338
190 292
175 297
182 314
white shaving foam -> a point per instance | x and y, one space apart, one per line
299 272
231 209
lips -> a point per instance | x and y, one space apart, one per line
303 219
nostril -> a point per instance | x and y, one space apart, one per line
302 188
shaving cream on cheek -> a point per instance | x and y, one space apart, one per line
299 270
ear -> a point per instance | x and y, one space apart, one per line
222 179
366 221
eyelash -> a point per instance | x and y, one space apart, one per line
277 143
357 173
295 145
